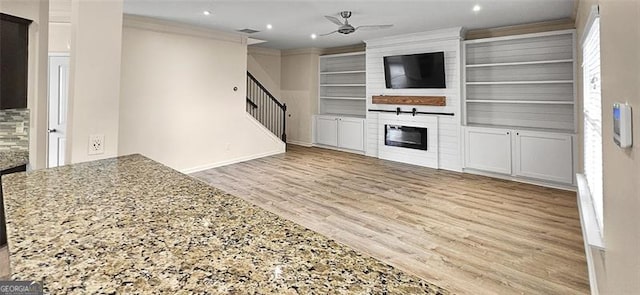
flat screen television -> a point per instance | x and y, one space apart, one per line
425 70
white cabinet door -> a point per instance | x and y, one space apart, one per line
543 155
488 149
351 133
327 131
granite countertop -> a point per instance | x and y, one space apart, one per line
13 159
129 225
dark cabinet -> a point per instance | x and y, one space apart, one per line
14 56
3 224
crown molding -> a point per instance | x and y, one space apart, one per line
317 51
433 35
171 27
263 51
538 27
345 49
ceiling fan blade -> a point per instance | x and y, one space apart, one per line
374 27
329 33
334 20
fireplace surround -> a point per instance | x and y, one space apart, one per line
406 136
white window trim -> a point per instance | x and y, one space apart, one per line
591 227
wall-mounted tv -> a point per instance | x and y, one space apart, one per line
425 70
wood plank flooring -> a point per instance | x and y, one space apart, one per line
469 234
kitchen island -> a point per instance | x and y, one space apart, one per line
129 225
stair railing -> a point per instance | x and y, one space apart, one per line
263 106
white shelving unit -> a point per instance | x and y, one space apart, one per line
521 81
520 110
342 104
343 85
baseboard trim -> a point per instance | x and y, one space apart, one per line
300 143
566 187
230 161
338 149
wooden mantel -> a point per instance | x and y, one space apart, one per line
410 100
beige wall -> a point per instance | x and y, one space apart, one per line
299 90
265 64
38 12
177 102
292 77
59 37
94 75
620 65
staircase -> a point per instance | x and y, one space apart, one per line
263 106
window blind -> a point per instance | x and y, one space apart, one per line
592 112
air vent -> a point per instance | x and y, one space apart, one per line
248 31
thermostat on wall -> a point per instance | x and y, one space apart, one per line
622 133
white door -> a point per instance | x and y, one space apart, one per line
543 155
58 97
351 133
488 149
327 131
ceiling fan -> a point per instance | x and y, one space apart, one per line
346 28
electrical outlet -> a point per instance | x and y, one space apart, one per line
96 144
20 127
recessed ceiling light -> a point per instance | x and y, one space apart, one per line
206 12
313 36
269 26
476 8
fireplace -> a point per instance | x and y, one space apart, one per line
405 136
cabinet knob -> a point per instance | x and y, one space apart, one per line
508 132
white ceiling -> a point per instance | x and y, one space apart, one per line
294 21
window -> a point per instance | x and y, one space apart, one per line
592 114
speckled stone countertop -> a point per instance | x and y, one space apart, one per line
13 159
129 225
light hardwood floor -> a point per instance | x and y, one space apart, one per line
469 234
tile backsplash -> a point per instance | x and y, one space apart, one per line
14 130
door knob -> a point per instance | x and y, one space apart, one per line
52 130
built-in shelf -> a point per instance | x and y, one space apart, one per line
343 72
520 101
521 82
540 62
343 85
343 97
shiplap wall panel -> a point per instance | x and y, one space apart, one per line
342 91
541 72
555 92
342 63
555 47
519 115
356 78
447 41
343 107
